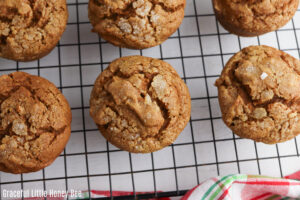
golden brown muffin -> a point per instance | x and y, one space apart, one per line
259 94
35 123
30 29
136 24
140 104
252 17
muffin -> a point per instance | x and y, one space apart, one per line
35 123
30 29
140 104
136 24
253 18
259 94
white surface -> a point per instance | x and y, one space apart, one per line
211 158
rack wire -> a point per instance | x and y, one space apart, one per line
206 148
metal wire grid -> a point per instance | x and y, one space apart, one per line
205 149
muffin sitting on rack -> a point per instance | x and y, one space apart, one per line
259 94
136 24
140 104
253 18
35 123
29 30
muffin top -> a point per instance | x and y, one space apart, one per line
259 94
253 17
136 24
35 121
30 29
140 104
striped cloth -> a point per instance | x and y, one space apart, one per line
231 187
247 187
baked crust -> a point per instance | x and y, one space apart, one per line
30 29
252 18
136 24
35 123
259 94
140 104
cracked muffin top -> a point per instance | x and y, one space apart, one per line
140 104
35 123
136 24
259 94
30 29
253 17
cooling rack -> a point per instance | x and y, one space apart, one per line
206 148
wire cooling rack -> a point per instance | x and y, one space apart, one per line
206 148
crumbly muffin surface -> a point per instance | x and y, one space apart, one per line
140 104
30 29
252 17
35 123
259 94
136 24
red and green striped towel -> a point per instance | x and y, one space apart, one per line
246 187
231 187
